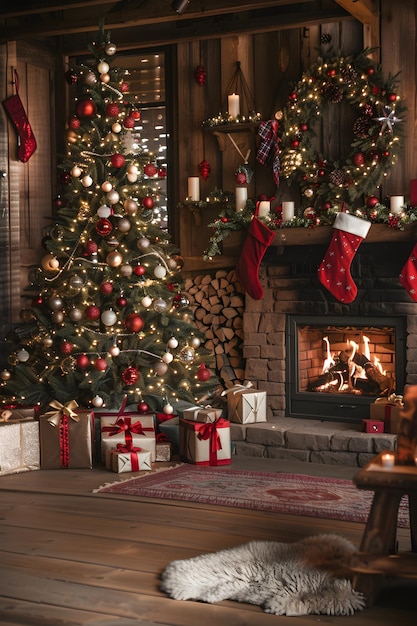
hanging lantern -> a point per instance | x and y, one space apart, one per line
200 75
204 169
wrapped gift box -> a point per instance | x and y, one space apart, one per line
205 443
170 428
66 437
163 451
246 406
19 447
18 412
387 411
137 431
200 414
372 426
123 459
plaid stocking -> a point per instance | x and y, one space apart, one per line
334 271
16 111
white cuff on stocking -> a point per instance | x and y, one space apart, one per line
352 224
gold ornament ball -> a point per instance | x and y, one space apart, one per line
161 368
72 136
50 263
130 206
5 375
48 342
114 259
57 317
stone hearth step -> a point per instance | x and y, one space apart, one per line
313 441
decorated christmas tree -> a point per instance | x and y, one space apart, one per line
106 315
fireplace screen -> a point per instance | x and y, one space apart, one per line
342 364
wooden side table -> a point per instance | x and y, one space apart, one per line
378 555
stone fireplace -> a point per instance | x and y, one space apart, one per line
299 327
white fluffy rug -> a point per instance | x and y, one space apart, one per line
310 576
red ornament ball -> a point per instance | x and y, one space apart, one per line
121 302
241 178
372 201
74 123
134 323
130 375
129 122
295 143
331 72
203 374
147 202
104 227
135 115
162 173
92 312
204 169
90 247
112 109
106 288
117 160
143 407
370 71
71 77
392 97
293 96
224 220
65 347
85 108
100 364
150 169
139 270
58 203
359 159
124 87
304 127
83 361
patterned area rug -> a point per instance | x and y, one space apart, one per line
329 498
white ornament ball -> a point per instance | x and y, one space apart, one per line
167 357
23 355
195 342
97 401
116 128
132 169
113 197
103 67
172 342
114 351
132 178
143 243
76 172
146 301
75 314
106 186
161 368
110 49
160 271
126 270
104 211
86 181
109 317
168 409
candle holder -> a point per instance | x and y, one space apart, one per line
388 460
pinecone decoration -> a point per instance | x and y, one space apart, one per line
361 126
204 168
349 74
368 109
333 93
337 177
325 38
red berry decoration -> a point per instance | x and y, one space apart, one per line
204 169
162 173
135 115
74 123
134 323
139 270
224 220
83 361
331 72
112 109
86 108
130 375
104 227
147 202
200 75
92 312
241 178
293 96
124 87
372 201
71 77
117 160
106 288
359 159
295 143
303 127
203 374
90 247
392 97
65 347
370 71
150 169
129 122
143 408
100 364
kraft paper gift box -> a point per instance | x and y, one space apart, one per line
124 459
19 412
202 414
245 406
137 431
205 443
19 447
388 410
66 436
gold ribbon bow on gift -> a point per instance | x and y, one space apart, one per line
5 415
392 399
61 410
237 388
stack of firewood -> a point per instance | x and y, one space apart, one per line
218 305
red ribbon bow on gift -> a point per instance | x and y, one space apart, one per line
208 430
124 425
133 451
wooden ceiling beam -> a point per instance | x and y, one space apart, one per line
368 13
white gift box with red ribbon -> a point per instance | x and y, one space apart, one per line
245 405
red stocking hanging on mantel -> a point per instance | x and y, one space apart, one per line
408 275
17 113
334 271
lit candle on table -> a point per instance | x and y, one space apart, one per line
287 211
194 189
264 208
396 204
388 460
233 105
241 198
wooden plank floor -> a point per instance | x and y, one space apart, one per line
69 556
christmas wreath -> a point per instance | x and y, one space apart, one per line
377 110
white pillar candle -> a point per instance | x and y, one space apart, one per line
287 211
388 460
194 189
233 105
241 198
396 204
264 208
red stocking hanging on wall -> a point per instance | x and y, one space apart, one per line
16 111
408 275
334 271
258 239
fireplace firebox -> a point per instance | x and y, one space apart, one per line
337 366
